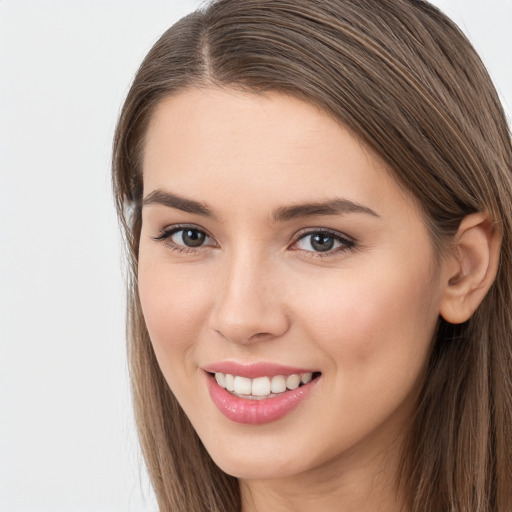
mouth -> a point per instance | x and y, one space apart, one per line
259 399
261 388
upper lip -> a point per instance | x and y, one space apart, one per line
254 370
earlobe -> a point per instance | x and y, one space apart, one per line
470 267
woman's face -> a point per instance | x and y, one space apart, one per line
277 247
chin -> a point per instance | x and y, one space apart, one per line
257 461
254 470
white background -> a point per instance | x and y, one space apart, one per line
67 441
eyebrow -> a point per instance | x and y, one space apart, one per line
336 206
165 198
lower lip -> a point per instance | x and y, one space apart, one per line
257 412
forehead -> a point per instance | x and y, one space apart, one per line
212 121
235 145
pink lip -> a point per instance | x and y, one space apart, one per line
253 370
257 412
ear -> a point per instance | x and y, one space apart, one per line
470 267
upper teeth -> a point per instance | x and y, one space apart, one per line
261 386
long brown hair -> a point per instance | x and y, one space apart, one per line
405 79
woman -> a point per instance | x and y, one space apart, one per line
316 197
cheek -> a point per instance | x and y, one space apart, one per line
376 333
382 319
173 305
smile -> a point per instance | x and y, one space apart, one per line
255 398
261 388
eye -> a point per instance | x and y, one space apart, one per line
189 237
184 238
322 242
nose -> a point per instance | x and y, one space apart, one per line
250 303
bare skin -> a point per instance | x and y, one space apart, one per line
231 270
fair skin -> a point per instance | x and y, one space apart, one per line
352 292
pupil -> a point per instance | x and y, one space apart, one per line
321 242
193 238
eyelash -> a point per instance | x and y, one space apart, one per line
165 237
347 243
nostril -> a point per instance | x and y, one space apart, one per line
244 316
